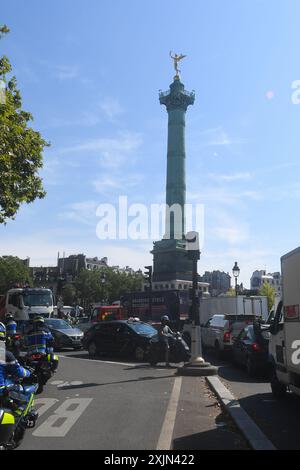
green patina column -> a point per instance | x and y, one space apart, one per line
169 255
176 100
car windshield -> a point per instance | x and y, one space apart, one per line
38 299
143 329
58 324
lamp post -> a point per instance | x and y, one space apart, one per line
236 273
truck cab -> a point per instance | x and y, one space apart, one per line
284 345
25 303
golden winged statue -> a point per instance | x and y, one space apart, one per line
177 58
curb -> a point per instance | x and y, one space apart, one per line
252 433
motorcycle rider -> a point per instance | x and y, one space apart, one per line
40 340
11 325
165 334
9 366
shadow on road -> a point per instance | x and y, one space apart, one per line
232 372
140 379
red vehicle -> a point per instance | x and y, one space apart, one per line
108 313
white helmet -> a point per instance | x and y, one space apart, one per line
164 318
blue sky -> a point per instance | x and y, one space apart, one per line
90 73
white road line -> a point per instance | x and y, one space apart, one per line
102 362
166 434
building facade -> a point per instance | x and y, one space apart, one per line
259 278
219 282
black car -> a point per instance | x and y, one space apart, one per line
250 348
119 337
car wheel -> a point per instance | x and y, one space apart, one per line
139 353
278 389
251 369
92 349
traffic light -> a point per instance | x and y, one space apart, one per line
148 274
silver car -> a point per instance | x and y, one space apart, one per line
65 335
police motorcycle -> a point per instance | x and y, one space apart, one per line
43 366
41 359
179 350
17 411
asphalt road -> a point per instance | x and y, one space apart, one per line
279 420
111 405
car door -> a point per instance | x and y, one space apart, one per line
206 333
103 337
122 338
238 346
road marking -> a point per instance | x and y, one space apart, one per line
44 404
66 415
166 434
102 362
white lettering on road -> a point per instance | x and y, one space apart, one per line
61 383
44 404
60 423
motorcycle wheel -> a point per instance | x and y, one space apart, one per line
17 438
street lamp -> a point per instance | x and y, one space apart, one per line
236 273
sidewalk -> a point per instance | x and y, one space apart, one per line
200 423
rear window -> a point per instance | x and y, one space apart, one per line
217 320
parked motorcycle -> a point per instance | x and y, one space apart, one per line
44 366
17 412
179 350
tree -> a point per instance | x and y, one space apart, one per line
68 294
12 271
231 292
105 285
89 287
269 292
21 147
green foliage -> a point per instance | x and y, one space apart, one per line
21 148
269 292
105 285
12 271
68 294
231 292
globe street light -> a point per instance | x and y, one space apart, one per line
236 273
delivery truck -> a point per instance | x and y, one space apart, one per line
237 305
24 303
284 345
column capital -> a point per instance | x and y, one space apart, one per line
177 97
